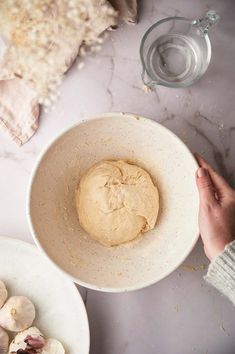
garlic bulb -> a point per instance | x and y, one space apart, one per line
3 293
4 342
31 338
17 314
53 346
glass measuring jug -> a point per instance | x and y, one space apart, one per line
176 51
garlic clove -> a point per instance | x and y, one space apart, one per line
4 342
17 314
35 342
53 346
3 293
25 338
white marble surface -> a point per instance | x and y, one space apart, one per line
181 314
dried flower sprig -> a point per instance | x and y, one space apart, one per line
44 38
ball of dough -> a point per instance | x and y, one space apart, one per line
116 201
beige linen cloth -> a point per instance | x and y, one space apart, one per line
19 109
127 9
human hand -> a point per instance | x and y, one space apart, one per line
217 209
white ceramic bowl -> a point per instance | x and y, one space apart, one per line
51 203
60 311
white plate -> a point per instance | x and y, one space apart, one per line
60 310
52 213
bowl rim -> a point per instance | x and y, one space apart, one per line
114 115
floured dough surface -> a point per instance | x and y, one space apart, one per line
116 201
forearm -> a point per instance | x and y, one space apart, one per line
221 272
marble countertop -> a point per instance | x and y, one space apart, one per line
181 314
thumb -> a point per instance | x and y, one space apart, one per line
205 186
221 186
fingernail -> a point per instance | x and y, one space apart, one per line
202 172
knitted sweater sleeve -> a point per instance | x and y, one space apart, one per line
221 272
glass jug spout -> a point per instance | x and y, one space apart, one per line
148 82
205 23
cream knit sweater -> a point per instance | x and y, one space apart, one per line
221 272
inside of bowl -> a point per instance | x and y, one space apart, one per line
52 202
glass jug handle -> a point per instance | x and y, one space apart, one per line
205 23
